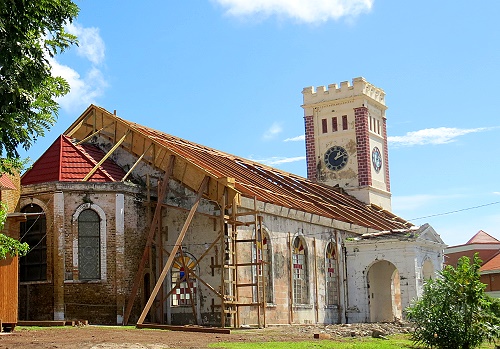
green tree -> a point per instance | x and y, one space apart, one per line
454 312
9 246
31 32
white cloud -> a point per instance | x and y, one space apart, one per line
440 135
84 90
295 139
275 160
309 11
272 131
86 87
90 44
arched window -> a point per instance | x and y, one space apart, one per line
427 270
183 282
89 249
33 266
263 272
332 297
299 264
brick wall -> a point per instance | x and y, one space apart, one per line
363 146
310 148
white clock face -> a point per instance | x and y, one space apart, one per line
376 159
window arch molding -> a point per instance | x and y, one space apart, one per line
300 270
331 273
102 236
268 270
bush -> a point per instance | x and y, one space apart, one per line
454 312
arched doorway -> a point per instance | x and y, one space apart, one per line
384 292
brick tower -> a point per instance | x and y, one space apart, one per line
346 139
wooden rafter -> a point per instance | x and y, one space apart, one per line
136 163
108 154
177 244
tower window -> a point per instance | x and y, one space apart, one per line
324 126
334 124
344 122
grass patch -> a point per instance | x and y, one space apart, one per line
395 342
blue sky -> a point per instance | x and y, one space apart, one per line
229 74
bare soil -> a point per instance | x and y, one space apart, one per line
104 337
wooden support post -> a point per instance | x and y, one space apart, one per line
108 154
170 259
136 163
290 280
222 253
264 275
190 285
152 229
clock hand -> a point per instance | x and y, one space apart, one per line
338 156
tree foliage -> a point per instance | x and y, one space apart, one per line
454 312
31 32
9 246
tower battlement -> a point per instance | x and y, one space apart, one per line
359 87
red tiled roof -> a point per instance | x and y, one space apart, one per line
6 183
492 264
482 237
67 162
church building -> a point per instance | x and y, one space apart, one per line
135 225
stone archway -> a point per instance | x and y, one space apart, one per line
384 292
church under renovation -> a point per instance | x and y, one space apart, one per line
128 225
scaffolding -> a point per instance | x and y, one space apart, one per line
229 262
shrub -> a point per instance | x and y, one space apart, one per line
454 312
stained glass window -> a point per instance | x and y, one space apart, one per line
331 274
89 241
263 253
183 281
300 283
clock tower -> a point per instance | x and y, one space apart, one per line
346 139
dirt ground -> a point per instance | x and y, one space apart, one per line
101 337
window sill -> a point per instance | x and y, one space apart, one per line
84 281
302 306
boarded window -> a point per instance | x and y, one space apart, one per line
335 127
33 266
332 297
183 281
89 246
263 272
299 265
344 122
324 126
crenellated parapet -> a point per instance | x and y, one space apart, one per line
359 87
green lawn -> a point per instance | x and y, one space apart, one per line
395 342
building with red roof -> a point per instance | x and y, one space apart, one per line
488 249
131 224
